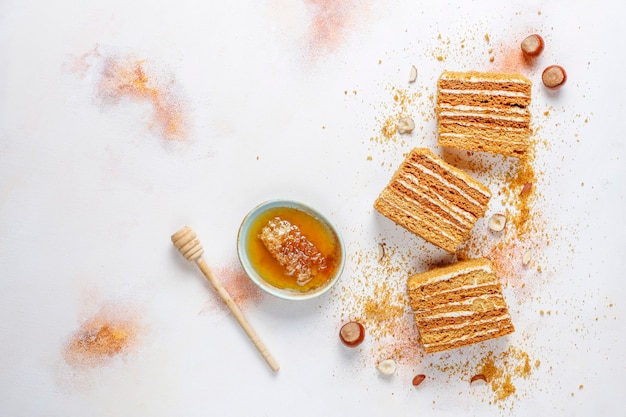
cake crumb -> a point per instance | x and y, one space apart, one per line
501 370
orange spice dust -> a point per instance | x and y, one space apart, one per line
128 78
81 65
108 334
331 21
241 288
377 299
512 60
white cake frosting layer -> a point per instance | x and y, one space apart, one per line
452 76
418 218
440 163
483 138
432 212
501 317
486 267
460 215
465 337
442 200
463 107
499 116
466 302
501 93
447 183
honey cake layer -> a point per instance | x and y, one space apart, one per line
458 305
485 112
433 199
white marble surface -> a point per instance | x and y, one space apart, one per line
91 188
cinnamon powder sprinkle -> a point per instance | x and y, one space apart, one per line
100 339
241 288
128 78
330 23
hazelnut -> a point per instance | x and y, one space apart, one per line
532 45
387 367
352 334
418 379
554 77
497 222
405 125
413 74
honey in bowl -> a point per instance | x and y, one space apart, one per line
292 249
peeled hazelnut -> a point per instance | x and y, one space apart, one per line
418 379
532 45
554 77
497 222
413 74
387 367
352 334
405 125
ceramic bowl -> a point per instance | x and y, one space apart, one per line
248 232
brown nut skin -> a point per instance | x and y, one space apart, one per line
532 45
418 379
352 334
478 377
554 77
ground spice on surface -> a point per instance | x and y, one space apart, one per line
112 332
241 289
331 21
130 78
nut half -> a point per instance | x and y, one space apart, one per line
497 222
405 125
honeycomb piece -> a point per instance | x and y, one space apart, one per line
293 251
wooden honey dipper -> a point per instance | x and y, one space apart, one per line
189 246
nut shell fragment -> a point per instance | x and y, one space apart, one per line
405 125
478 377
497 222
413 74
381 251
387 367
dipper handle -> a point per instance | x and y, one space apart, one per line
189 246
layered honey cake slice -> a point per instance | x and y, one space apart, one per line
433 199
458 305
486 112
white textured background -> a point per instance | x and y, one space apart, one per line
90 193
